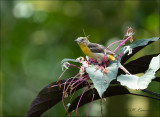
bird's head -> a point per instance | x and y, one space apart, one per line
82 41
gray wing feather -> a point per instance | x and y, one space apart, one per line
97 48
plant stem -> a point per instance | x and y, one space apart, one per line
62 74
80 100
101 107
73 65
63 98
125 70
79 83
90 105
121 44
72 81
114 43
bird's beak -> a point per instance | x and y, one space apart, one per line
77 40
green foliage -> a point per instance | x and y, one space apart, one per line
139 43
35 39
143 42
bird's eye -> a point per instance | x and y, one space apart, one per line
82 39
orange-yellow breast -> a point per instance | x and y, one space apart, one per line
85 49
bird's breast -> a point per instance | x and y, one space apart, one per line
85 49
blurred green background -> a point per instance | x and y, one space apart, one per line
37 35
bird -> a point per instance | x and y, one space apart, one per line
94 50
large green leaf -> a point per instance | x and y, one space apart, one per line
143 42
102 80
136 46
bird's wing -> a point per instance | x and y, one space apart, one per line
96 48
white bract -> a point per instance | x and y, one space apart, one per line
102 80
135 82
127 49
65 65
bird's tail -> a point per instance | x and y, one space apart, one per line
110 57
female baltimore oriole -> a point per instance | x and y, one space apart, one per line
94 50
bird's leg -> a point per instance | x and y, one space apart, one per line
99 63
103 67
92 61
104 55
